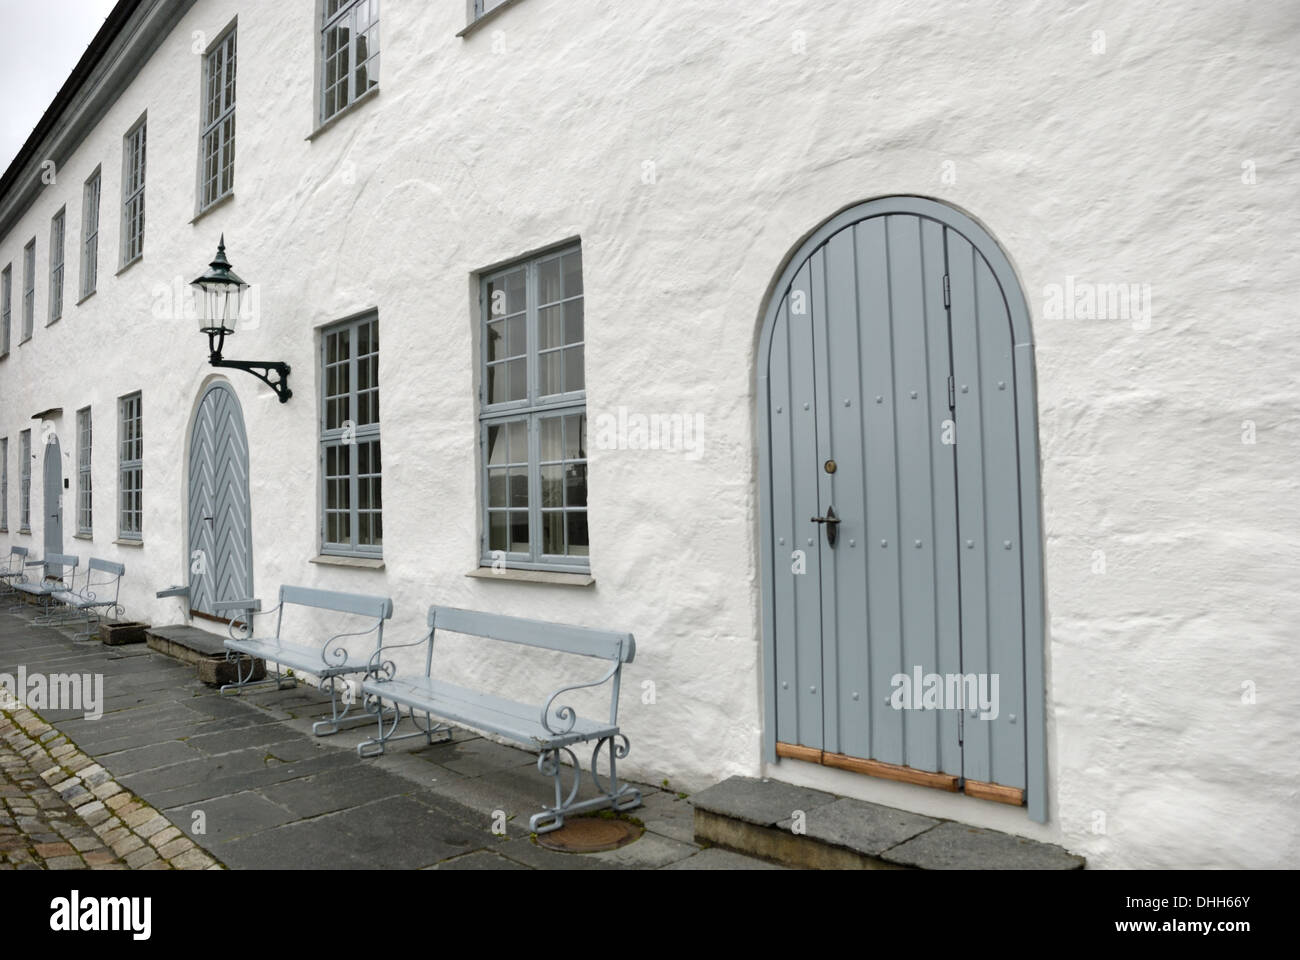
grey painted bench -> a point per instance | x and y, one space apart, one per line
13 572
329 659
43 586
551 729
95 599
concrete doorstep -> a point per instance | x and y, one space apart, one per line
801 827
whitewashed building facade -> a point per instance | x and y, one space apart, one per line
526 265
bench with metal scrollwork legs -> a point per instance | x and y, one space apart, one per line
331 661
42 587
13 572
551 730
95 600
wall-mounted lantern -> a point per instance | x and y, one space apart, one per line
219 296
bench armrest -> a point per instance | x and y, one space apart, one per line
566 713
379 668
334 654
251 607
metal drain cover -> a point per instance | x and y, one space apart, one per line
590 835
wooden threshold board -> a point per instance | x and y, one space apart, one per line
893 771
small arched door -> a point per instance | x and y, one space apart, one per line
220 527
53 501
902 563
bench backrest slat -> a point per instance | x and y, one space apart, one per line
606 644
107 566
359 603
62 560
18 551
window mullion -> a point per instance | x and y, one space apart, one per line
354 515
534 489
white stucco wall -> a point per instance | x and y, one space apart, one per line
761 120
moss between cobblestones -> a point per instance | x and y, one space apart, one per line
118 825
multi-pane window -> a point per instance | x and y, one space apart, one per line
533 414
29 288
84 517
90 235
130 468
6 299
4 484
25 482
58 234
217 176
349 53
351 464
133 194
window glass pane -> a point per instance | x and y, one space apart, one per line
519 531
573 326
577 527
574 374
497 445
552 439
497 488
550 381
552 486
498 538
519 441
548 281
573 274
553 532
575 437
575 485
519 488
550 327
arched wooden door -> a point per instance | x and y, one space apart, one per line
52 504
900 521
220 534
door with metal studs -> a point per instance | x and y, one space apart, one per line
894 508
220 541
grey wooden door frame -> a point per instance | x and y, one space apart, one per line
1026 407
245 514
52 500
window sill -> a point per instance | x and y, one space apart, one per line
128 543
354 105
25 531
50 323
127 266
214 205
534 576
365 563
486 18
86 297
83 536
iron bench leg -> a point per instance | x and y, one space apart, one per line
612 795
240 683
375 745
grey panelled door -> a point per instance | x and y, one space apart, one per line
53 502
894 499
220 538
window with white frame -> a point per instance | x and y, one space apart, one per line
352 521
90 235
133 167
58 234
349 53
6 300
29 289
533 414
4 484
85 526
25 482
217 145
130 468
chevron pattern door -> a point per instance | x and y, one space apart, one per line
220 538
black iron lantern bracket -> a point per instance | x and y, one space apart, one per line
263 370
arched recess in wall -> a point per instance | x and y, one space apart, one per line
902 598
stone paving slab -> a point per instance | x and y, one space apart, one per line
956 846
763 803
868 828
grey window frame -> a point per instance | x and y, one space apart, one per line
346 10
58 258
25 482
218 124
6 307
532 409
85 438
92 194
4 484
29 289
130 430
337 437
134 173
479 8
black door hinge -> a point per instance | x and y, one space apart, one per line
952 395
947 293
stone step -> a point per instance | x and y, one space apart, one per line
207 651
758 817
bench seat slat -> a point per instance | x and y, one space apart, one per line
307 659
483 711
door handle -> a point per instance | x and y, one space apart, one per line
832 524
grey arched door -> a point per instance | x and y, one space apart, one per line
53 501
902 594
220 535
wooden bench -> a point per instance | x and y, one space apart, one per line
551 729
329 660
95 599
44 586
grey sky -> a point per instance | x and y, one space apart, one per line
39 46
